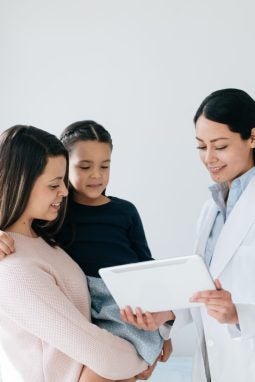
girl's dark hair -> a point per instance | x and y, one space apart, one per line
24 152
84 131
233 107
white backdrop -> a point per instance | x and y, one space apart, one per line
141 68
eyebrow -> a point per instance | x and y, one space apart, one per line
212 140
57 178
90 161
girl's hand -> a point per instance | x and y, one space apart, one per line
163 357
146 374
147 320
218 303
166 351
6 244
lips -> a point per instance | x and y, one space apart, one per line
215 169
56 205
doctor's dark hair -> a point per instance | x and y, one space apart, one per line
84 131
233 107
24 153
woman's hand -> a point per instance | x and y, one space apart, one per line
218 303
6 244
146 321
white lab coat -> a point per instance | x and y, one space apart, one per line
231 352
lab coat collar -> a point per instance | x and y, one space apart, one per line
234 230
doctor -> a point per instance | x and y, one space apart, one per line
225 325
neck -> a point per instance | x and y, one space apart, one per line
22 227
102 199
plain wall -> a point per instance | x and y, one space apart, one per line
141 68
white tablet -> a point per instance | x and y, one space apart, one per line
158 285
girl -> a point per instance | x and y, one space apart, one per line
225 134
101 231
45 333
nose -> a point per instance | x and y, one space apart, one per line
209 156
96 173
63 191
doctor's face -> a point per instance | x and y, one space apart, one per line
224 153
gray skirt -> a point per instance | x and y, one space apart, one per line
106 314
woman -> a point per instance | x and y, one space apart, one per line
45 333
225 134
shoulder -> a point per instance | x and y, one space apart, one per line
17 268
123 204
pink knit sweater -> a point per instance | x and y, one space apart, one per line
45 333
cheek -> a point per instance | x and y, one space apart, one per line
202 156
74 176
106 176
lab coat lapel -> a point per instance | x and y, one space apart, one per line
205 229
234 230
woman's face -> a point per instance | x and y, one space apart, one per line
224 153
48 191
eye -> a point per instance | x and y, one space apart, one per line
105 166
220 148
201 147
54 187
84 168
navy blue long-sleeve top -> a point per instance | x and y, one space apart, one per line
103 236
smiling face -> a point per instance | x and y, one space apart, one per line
46 196
89 170
224 153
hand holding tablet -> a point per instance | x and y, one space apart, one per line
158 285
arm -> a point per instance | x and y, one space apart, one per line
153 321
239 317
218 303
29 296
146 321
137 237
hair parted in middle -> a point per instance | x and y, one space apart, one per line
24 153
86 130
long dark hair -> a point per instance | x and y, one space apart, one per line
24 152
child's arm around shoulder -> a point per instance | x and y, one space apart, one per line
7 245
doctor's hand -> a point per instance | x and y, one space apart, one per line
6 244
218 303
146 321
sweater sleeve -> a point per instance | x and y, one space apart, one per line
31 298
137 237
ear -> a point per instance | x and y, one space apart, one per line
252 138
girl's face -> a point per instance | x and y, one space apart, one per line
224 153
48 191
89 170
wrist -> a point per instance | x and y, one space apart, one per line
170 318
